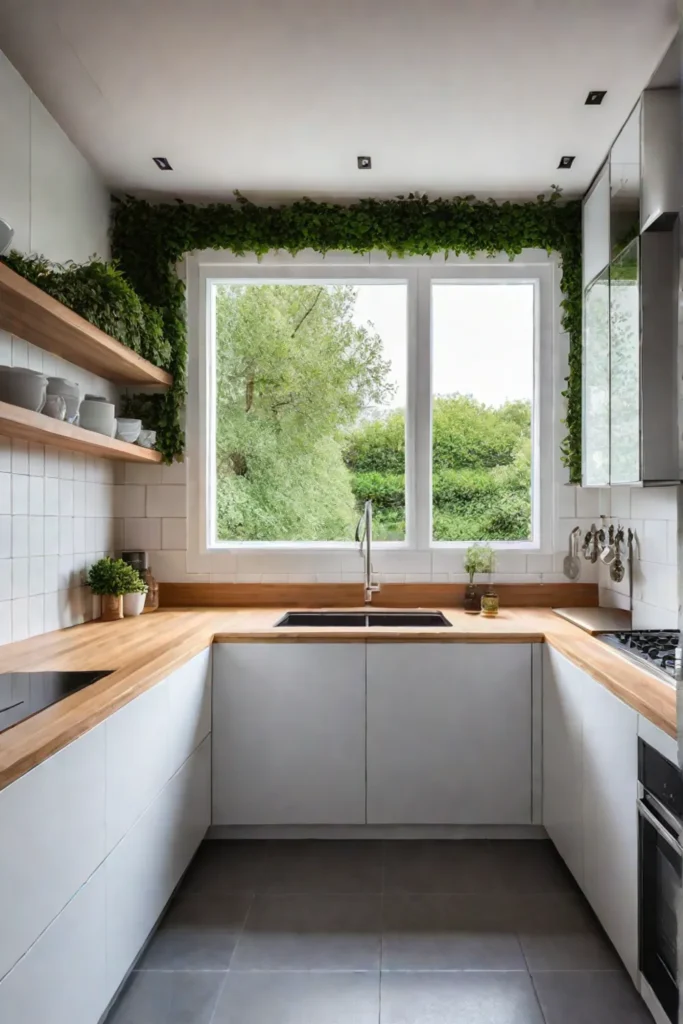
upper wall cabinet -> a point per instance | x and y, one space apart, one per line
630 281
596 227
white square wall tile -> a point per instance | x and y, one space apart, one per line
140 473
36 459
20 619
5 455
129 501
19 536
51 573
5 579
654 503
51 496
176 473
19 577
66 535
20 457
174 534
168 500
36 575
5 536
539 563
36 615
51 534
66 498
36 535
19 495
588 503
66 466
5 494
654 541
142 534
565 500
169 566
36 495
51 461
5 622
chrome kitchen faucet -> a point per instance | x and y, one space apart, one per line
364 538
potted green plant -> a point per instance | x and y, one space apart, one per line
134 599
111 578
479 558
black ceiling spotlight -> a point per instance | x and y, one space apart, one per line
566 162
595 97
162 163
364 163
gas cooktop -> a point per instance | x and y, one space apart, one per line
23 694
658 650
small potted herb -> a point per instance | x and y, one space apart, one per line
111 578
134 599
479 558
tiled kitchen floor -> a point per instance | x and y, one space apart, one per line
379 933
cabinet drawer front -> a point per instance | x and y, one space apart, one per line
53 837
449 734
289 734
189 695
61 980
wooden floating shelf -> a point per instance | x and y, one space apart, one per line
33 426
31 314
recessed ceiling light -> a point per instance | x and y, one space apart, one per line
595 97
565 162
162 163
364 163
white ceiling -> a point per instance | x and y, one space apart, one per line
278 97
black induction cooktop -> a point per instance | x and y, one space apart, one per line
23 694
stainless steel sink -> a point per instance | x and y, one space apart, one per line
360 620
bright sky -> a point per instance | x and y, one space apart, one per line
483 337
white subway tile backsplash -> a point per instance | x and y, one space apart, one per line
36 576
66 466
588 503
20 457
36 459
168 500
5 579
19 577
20 618
66 497
539 564
51 524
66 535
36 535
143 474
654 541
5 455
176 473
654 503
5 536
36 495
129 500
5 622
51 496
51 462
51 573
36 615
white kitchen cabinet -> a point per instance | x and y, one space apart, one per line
449 734
590 760
289 734
52 838
61 979
145 867
610 818
563 686
596 226
150 738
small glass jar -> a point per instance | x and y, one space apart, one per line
489 604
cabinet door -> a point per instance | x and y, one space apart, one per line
189 695
624 292
563 685
610 819
289 734
449 733
143 870
595 411
61 980
596 226
52 837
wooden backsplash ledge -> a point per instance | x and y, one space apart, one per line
350 595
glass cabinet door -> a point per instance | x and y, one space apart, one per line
596 382
625 366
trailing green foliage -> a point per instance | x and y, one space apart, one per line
99 293
114 577
148 241
479 558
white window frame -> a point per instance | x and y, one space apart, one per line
533 266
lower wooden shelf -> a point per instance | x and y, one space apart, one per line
33 426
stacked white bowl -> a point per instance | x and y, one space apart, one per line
26 388
128 430
70 392
98 416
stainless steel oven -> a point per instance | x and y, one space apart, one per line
660 808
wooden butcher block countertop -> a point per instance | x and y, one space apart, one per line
142 651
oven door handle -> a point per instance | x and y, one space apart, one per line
651 819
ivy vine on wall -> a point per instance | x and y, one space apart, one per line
148 240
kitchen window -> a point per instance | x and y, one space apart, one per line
316 385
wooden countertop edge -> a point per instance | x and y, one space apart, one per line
151 653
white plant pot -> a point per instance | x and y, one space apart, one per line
133 604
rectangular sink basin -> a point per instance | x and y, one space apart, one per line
361 620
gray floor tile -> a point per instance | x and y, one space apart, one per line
559 932
184 997
311 932
438 866
324 866
198 933
302 998
477 997
434 932
585 997
223 866
529 866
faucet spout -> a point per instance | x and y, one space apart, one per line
365 540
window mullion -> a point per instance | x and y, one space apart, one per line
423 413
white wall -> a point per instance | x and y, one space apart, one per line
53 199
56 509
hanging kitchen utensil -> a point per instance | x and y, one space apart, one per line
588 536
571 565
629 548
609 552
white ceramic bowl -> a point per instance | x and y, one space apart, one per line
128 430
147 438
55 407
98 416
22 387
69 391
